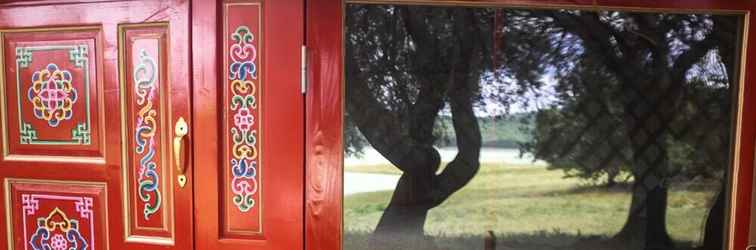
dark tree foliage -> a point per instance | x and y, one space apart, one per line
628 87
579 133
644 93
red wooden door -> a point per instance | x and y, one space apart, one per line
91 95
251 159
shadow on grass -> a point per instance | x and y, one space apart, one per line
532 241
623 187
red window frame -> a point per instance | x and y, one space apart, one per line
324 108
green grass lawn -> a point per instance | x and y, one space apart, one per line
527 205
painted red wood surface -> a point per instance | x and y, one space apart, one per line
324 143
64 215
243 165
275 220
83 173
70 58
323 205
146 106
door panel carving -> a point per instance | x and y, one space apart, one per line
242 205
51 89
144 108
250 193
56 215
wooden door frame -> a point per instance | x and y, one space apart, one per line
325 107
205 95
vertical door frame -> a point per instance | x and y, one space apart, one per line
205 95
325 107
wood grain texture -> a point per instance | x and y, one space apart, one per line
324 143
323 205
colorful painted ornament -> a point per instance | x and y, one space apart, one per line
52 95
244 160
144 134
56 230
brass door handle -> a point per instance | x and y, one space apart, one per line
181 129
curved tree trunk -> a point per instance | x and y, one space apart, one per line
635 224
715 224
402 222
406 139
647 122
657 237
645 226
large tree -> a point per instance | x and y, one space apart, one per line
403 65
640 94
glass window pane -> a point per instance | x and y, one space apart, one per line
537 129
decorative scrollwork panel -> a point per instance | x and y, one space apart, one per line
145 112
242 178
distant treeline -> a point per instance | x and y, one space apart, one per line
505 131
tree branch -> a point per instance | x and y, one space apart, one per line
466 163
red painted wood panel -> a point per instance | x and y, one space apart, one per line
146 129
57 119
270 216
61 215
323 211
206 95
324 143
56 169
243 165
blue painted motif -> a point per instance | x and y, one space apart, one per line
242 72
144 134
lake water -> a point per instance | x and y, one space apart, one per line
487 155
370 182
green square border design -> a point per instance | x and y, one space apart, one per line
77 54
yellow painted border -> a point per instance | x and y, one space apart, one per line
733 184
167 174
8 217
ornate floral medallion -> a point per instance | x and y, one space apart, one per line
52 95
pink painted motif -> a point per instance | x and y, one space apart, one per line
244 136
55 230
244 119
52 94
